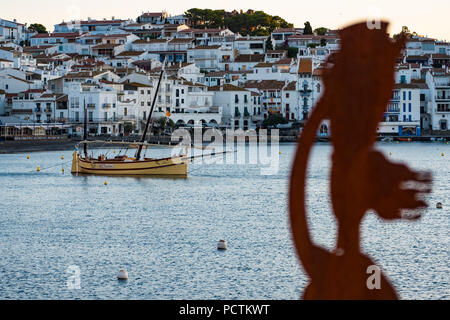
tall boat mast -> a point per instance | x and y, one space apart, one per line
138 153
85 129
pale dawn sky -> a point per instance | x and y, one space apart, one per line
426 18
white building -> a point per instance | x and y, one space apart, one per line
438 81
101 104
238 108
402 117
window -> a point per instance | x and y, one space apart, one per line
142 91
409 95
409 118
409 107
125 111
148 91
404 107
144 115
404 95
177 92
142 103
91 116
105 116
287 95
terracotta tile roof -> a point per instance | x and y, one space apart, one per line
152 14
406 86
305 66
263 65
265 84
285 30
216 74
144 41
249 58
283 61
56 35
181 40
206 47
130 53
291 86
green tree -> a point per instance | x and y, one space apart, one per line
269 44
257 23
308 28
320 31
37 27
274 119
292 52
128 128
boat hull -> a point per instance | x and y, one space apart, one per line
162 167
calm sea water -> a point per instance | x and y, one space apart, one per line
164 231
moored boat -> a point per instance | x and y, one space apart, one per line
123 164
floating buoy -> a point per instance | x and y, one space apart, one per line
62 157
222 245
122 275
28 157
439 205
106 182
38 169
442 154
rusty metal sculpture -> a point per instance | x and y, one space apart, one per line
357 89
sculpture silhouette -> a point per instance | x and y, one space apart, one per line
357 89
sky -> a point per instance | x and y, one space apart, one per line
426 18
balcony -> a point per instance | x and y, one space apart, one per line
443 109
90 105
393 110
106 105
37 110
48 110
442 98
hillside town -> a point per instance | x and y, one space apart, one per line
213 78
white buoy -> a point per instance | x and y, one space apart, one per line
122 275
439 205
222 245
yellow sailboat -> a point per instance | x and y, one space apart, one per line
124 165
